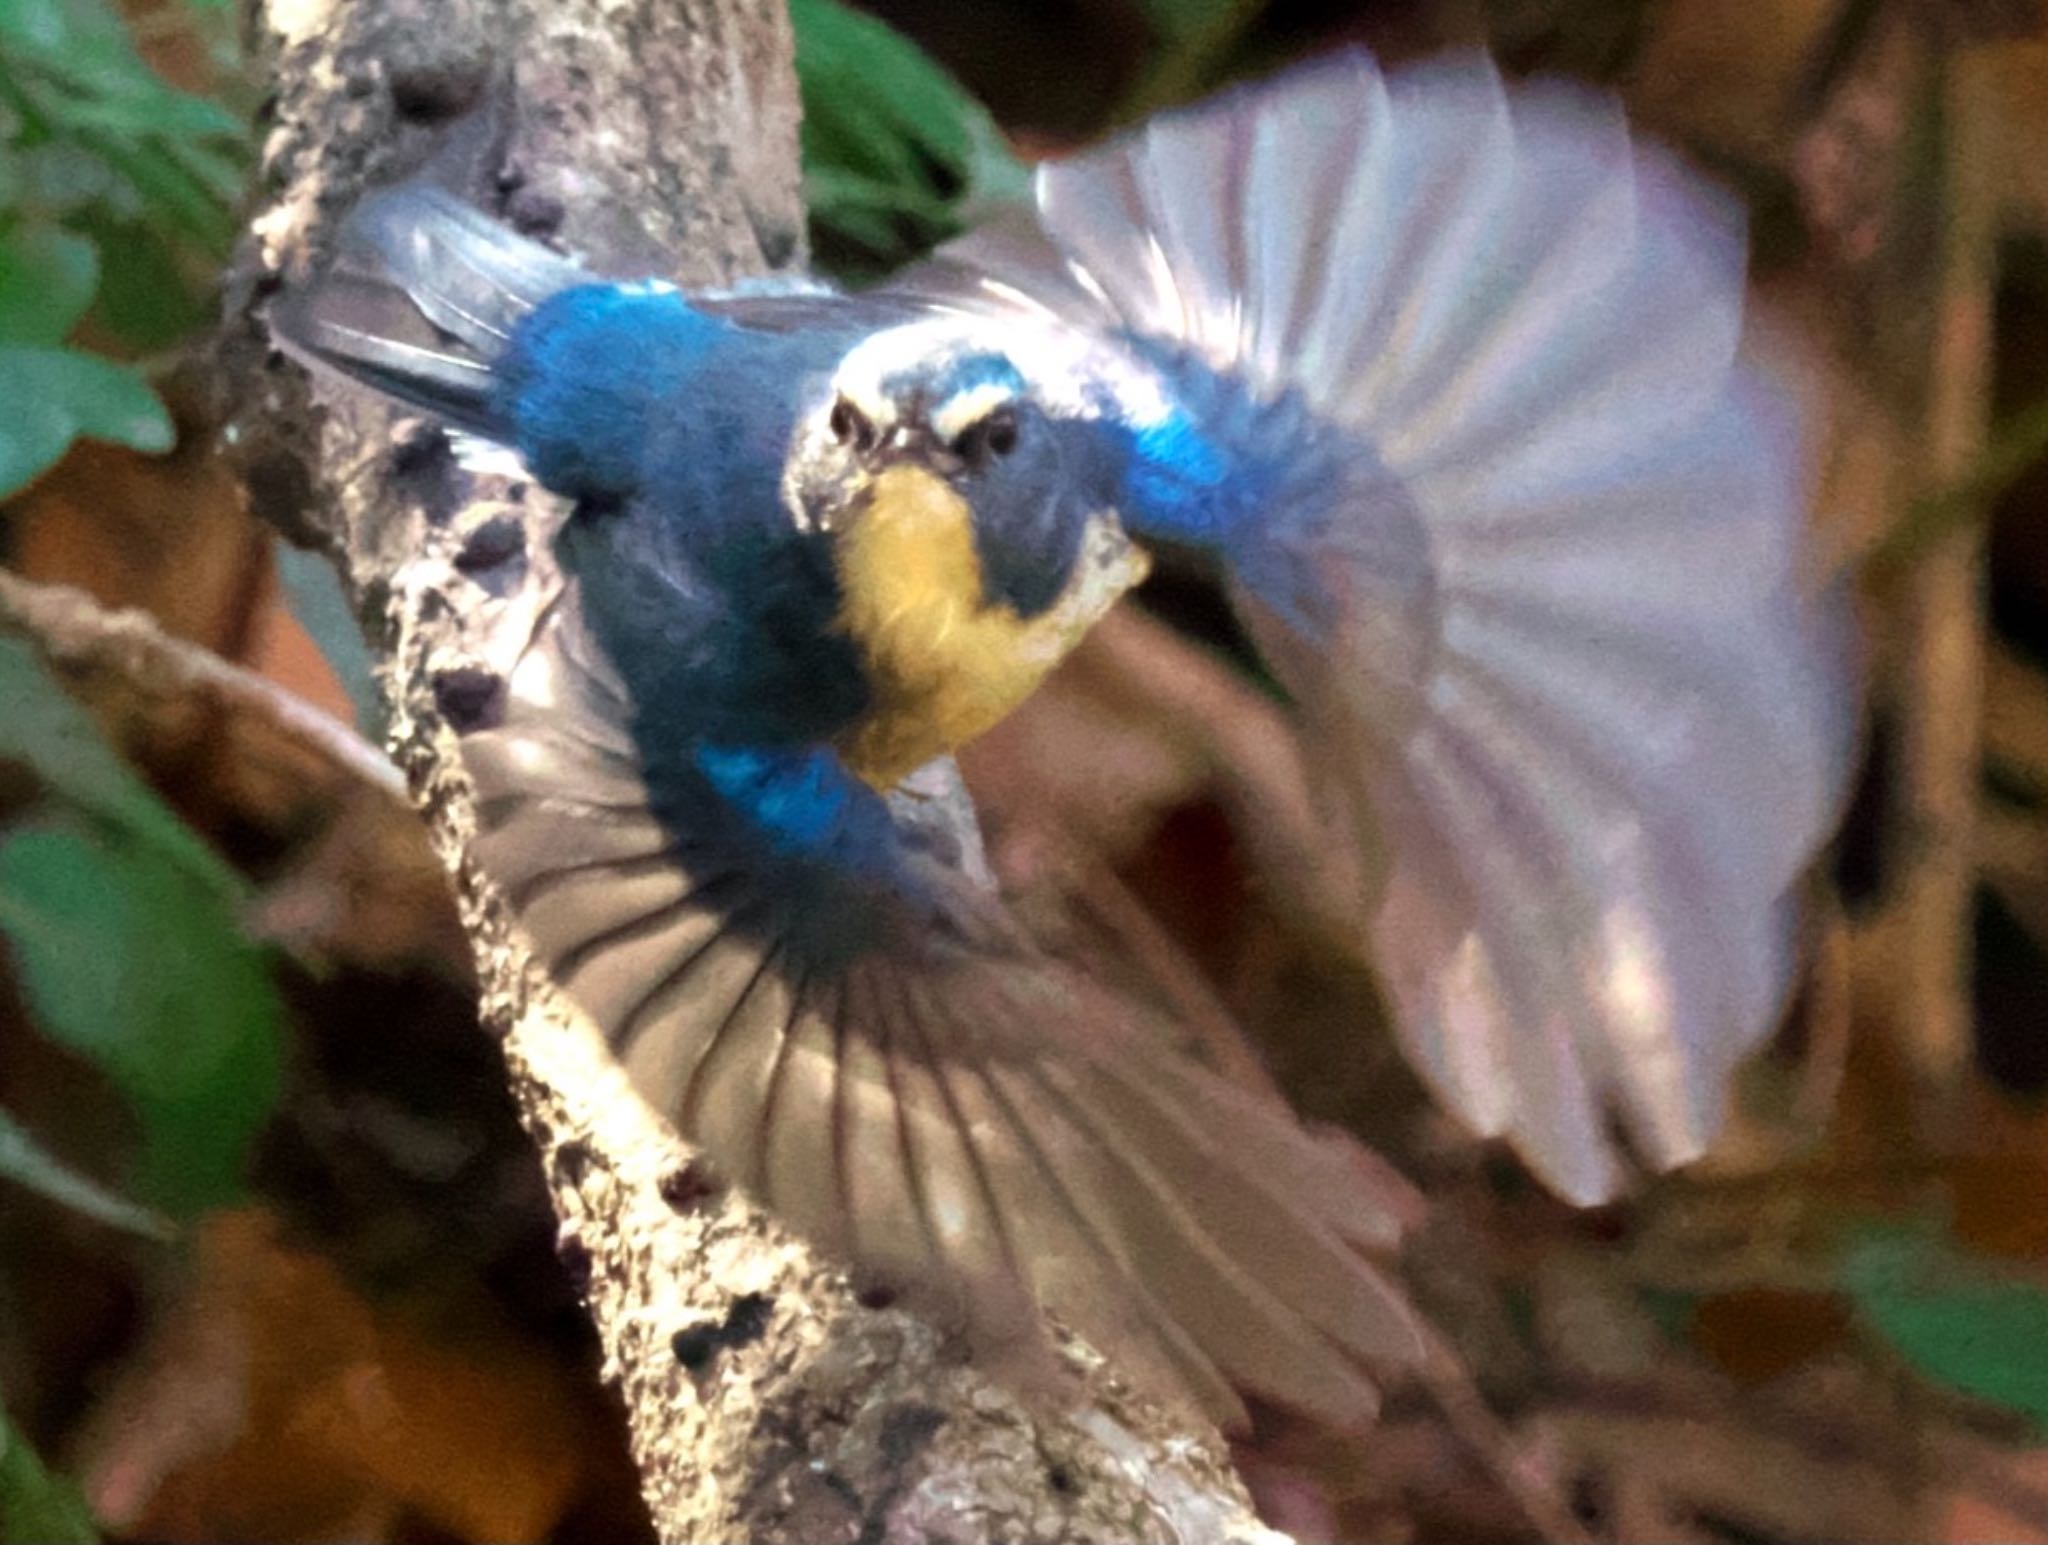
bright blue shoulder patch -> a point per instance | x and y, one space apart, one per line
1261 484
804 804
584 374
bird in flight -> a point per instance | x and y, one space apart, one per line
1443 373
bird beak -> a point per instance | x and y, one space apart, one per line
902 463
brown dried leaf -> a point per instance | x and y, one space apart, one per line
273 1403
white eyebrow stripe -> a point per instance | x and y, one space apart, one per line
964 409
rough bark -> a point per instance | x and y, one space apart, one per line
764 1402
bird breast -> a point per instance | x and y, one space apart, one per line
944 663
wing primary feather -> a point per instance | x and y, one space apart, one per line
886 1219
688 1107
1555 1099
842 1126
1056 1185
639 1019
802 1168
1112 1278
539 882
1273 1349
1665 1061
1292 1193
723 1099
496 809
1155 1119
567 962
892 1036
1535 349
778 1074
1115 1277
918 1011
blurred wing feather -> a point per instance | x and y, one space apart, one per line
973 1124
1576 676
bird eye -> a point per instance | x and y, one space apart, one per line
986 438
850 426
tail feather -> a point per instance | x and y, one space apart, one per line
420 302
471 276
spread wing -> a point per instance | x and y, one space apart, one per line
1576 680
832 1004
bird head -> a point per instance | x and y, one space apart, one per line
971 497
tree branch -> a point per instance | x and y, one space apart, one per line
653 135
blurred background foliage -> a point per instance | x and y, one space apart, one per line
274 1260
117 203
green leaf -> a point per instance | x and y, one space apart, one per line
71 74
36 1507
878 216
147 296
1196 41
120 107
169 192
56 395
897 157
1175 20
123 928
83 41
38 24
129 963
47 279
50 734
26 1162
65 179
1957 1320
871 93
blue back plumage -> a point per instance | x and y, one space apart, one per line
671 428
585 376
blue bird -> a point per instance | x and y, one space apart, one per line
1445 374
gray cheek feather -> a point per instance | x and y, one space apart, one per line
1031 510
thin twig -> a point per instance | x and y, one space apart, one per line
1943 617
1450 1385
75 631
1970 1466
1962 506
